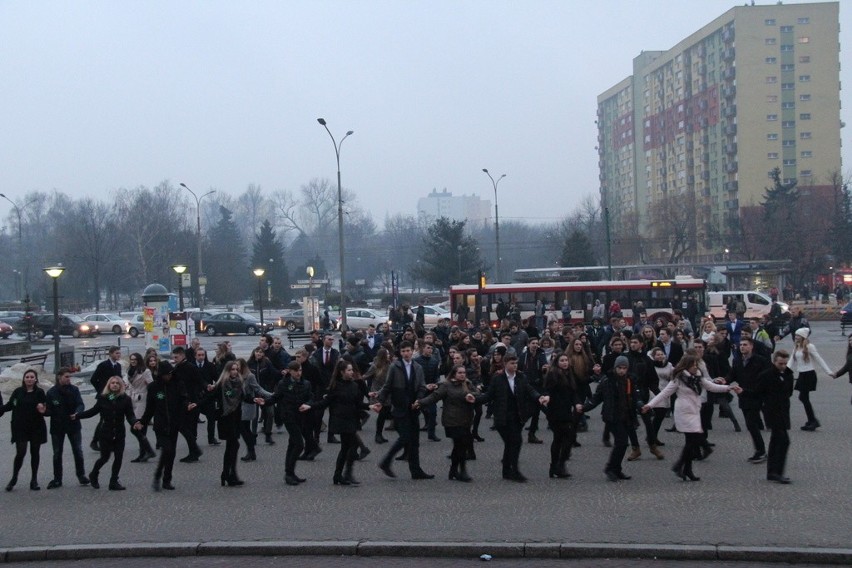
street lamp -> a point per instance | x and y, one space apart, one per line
55 272
259 272
337 146
180 269
198 237
310 272
459 249
496 219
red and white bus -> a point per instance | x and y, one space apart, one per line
659 297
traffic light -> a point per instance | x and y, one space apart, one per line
481 280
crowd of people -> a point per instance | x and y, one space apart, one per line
638 374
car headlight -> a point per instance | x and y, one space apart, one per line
84 327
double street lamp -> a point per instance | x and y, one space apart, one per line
55 272
198 238
339 220
496 219
259 272
180 269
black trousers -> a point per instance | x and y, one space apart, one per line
430 414
510 432
620 432
534 420
168 448
754 425
21 453
249 437
306 423
58 441
462 446
805 399
779 443
229 459
189 430
692 443
564 435
114 449
346 454
295 445
659 417
408 428
142 437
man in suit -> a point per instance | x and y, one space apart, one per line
207 376
324 359
105 369
744 372
373 341
195 386
672 349
775 387
405 385
533 364
512 400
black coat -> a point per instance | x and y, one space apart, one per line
290 394
166 404
775 390
325 370
563 396
62 402
396 392
746 377
612 392
102 374
194 381
28 423
498 395
228 426
675 352
114 410
345 402
642 368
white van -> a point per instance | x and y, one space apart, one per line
757 303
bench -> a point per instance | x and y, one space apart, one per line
39 359
301 336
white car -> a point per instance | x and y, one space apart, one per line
112 323
433 314
361 318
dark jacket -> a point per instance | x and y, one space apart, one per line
620 401
563 395
62 402
457 412
430 368
27 422
675 351
102 374
345 402
166 404
642 368
266 374
194 382
398 392
290 394
531 365
325 370
114 410
228 425
846 368
746 377
775 390
498 395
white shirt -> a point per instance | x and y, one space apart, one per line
511 382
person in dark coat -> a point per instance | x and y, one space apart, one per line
63 400
775 387
167 404
847 366
532 362
207 376
310 375
113 406
290 394
744 372
105 369
267 377
512 398
28 403
565 404
345 401
457 417
194 385
325 361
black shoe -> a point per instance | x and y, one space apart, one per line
34 486
11 484
54 483
269 440
340 480
191 458
94 445
213 442
290 480
737 427
434 438
249 457
137 459
809 427
386 469
381 439
758 457
611 475
517 476
168 486
422 475
333 440
577 444
531 439
478 438
116 486
778 478
93 481
402 458
365 451
621 475
658 443
83 480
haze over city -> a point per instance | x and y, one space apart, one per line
102 95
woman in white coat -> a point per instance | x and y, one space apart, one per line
804 360
688 383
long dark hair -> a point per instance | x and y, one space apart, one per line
140 367
556 377
337 375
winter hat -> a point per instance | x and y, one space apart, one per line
622 361
803 332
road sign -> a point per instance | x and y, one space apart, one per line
186 280
315 281
298 286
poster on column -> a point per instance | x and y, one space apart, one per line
157 328
177 329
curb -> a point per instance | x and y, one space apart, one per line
841 556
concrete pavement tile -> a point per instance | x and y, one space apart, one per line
650 551
279 548
542 550
446 549
841 556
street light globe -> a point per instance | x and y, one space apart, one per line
310 271
259 272
55 271
179 268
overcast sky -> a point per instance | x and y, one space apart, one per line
101 95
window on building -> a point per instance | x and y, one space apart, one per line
788 67
769 21
772 155
804 39
805 20
806 154
788 144
788 124
806 173
786 47
772 98
804 97
786 29
769 41
790 162
789 180
804 78
805 59
805 116
788 105
788 86
772 136
771 60
805 135
773 79
771 117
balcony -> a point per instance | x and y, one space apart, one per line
730 149
728 54
729 92
731 167
731 130
730 73
730 111
732 186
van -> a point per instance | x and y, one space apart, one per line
757 304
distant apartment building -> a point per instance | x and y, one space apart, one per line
468 208
706 121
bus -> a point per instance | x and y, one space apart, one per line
659 298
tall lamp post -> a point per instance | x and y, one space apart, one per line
259 272
496 219
55 272
180 269
24 286
337 146
198 238
310 272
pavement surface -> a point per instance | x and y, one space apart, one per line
733 505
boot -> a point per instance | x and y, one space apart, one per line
93 480
635 453
114 485
606 442
557 470
12 482
532 439
454 470
347 475
250 456
656 452
269 440
462 475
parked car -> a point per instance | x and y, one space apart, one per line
5 330
845 317
68 325
230 322
111 323
433 314
198 317
361 318
291 320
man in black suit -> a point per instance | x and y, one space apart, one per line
512 400
744 372
324 359
207 376
775 387
188 374
373 341
672 349
105 369
404 386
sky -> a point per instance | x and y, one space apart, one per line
96 96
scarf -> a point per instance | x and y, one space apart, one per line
692 381
232 396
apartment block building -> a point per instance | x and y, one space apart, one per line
704 122
470 208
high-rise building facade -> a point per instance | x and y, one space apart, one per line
469 208
702 124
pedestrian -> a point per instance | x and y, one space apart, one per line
207 376
110 367
267 377
325 361
564 406
252 391
376 376
138 379
688 382
805 355
113 406
775 386
290 394
847 367
27 405
664 370
457 417
345 401
744 372
511 397
195 387
63 400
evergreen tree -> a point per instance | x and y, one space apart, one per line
228 274
448 255
268 253
577 250
780 217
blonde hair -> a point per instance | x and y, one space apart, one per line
806 355
121 390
